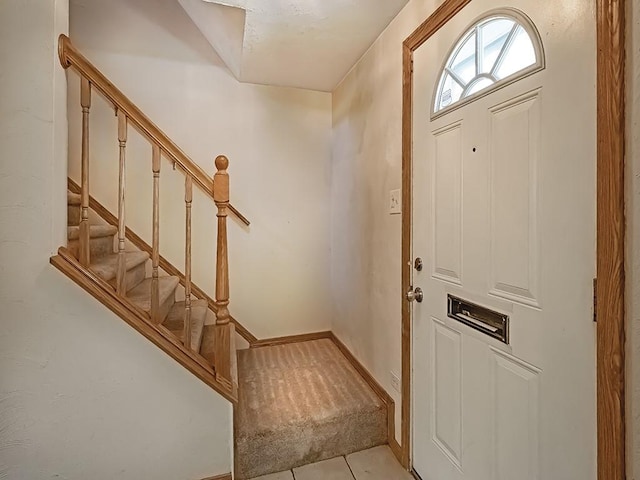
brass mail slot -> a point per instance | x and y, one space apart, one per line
479 318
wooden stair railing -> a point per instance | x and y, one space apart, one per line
121 276
224 331
165 265
70 57
85 101
155 252
218 188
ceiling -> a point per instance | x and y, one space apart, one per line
308 44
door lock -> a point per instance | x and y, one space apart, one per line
416 295
418 265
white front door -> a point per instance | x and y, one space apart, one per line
504 218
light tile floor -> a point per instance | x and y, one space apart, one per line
378 463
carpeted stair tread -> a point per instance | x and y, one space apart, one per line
207 346
73 198
175 321
101 238
141 294
299 404
73 208
95 231
106 267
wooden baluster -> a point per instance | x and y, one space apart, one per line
121 275
188 198
85 232
223 330
155 254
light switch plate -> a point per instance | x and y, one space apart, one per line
395 202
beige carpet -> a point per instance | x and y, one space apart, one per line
301 403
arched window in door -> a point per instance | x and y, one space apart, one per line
498 49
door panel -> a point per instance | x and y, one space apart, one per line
504 217
447 205
516 413
514 147
446 390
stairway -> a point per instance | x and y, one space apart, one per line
295 403
301 403
104 263
298 403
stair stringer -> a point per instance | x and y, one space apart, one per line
157 334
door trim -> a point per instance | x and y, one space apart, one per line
610 295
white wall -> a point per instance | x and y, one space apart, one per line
82 395
633 240
223 26
278 141
367 165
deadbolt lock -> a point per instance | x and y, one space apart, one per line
418 264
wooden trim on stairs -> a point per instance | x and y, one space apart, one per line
378 390
70 57
306 337
226 476
160 336
139 243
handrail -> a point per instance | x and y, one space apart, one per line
71 57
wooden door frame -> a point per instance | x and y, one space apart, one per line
610 227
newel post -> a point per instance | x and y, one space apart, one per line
224 331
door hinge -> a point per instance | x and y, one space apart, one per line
595 299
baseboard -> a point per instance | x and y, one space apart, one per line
226 476
397 450
381 392
307 337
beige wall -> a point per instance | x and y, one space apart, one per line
82 395
366 265
633 241
64 410
277 139
366 166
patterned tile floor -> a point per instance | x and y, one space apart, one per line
374 464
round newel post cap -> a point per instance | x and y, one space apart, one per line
222 163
